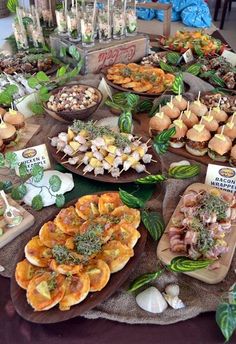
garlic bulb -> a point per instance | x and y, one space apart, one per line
180 163
151 300
174 302
172 290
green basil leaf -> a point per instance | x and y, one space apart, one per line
184 264
42 77
144 279
154 223
61 71
7 186
74 52
37 173
18 192
33 82
130 200
226 319
2 160
37 202
23 170
11 159
60 200
151 179
11 89
37 108
55 183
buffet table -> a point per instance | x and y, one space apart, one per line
201 329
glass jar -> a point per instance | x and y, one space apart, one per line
61 22
104 26
118 23
131 21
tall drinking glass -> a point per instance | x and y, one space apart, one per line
118 23
131 21
87 29
61 22
73 25
20 36
104 26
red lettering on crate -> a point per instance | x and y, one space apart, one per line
116 55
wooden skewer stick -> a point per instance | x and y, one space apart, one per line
79 164
58 151
65 162
148 141
64 156
50 138
147 171
149 146
153 160
121 171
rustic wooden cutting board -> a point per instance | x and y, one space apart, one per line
9 233
24 136
205 275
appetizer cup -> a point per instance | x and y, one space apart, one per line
87 30
61 22
73 25
104 26
131 21
118 23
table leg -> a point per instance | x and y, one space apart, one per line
217 6
225 6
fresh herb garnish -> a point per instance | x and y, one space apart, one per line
52 283
213 204
89 242
62 255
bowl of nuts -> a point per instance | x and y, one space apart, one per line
72 102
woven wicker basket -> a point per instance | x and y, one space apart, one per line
4 12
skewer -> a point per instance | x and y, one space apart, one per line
153 160
148 141
222 130
140 138
64 156
58 151
149 146
81 163
198 97
147 171
121 171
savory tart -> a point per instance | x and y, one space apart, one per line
68 221
25 272
50 235
36 253
77 289
99 274
45 291
108 202
87 207
116 255
126 234
126 214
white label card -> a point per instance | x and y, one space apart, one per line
188 56
37 155
230 57
221 177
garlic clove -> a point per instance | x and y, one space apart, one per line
174 302
151 300
172 290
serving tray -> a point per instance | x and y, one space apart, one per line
126 177
54 315
205 275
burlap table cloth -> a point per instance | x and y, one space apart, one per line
121 306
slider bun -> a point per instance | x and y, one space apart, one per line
180 104
220 116
180 132
177 144
231 133
194 135
172 113
159 124
230 119
196 152
2 111
219 146
212 125
191 121
199 109
8 133
15 119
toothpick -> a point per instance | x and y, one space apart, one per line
180 117
64 156
58 150
140 138
171 99
201 120
85 173
232 118
50 138
188 106
209 114
147 171
149 146
81 163
121 171
222 130
64 162
198 98
219 103
148 141
153 160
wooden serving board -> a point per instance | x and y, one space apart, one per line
24 136
205 275
10 233
54 315
126 177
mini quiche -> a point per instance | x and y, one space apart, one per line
126 234
25 272
108 202
128 215
51 235
99 274
116 255
87 207
77 289
68 221
37 253
45 291
100 226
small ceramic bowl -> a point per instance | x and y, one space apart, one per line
70 115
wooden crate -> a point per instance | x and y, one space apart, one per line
129 49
